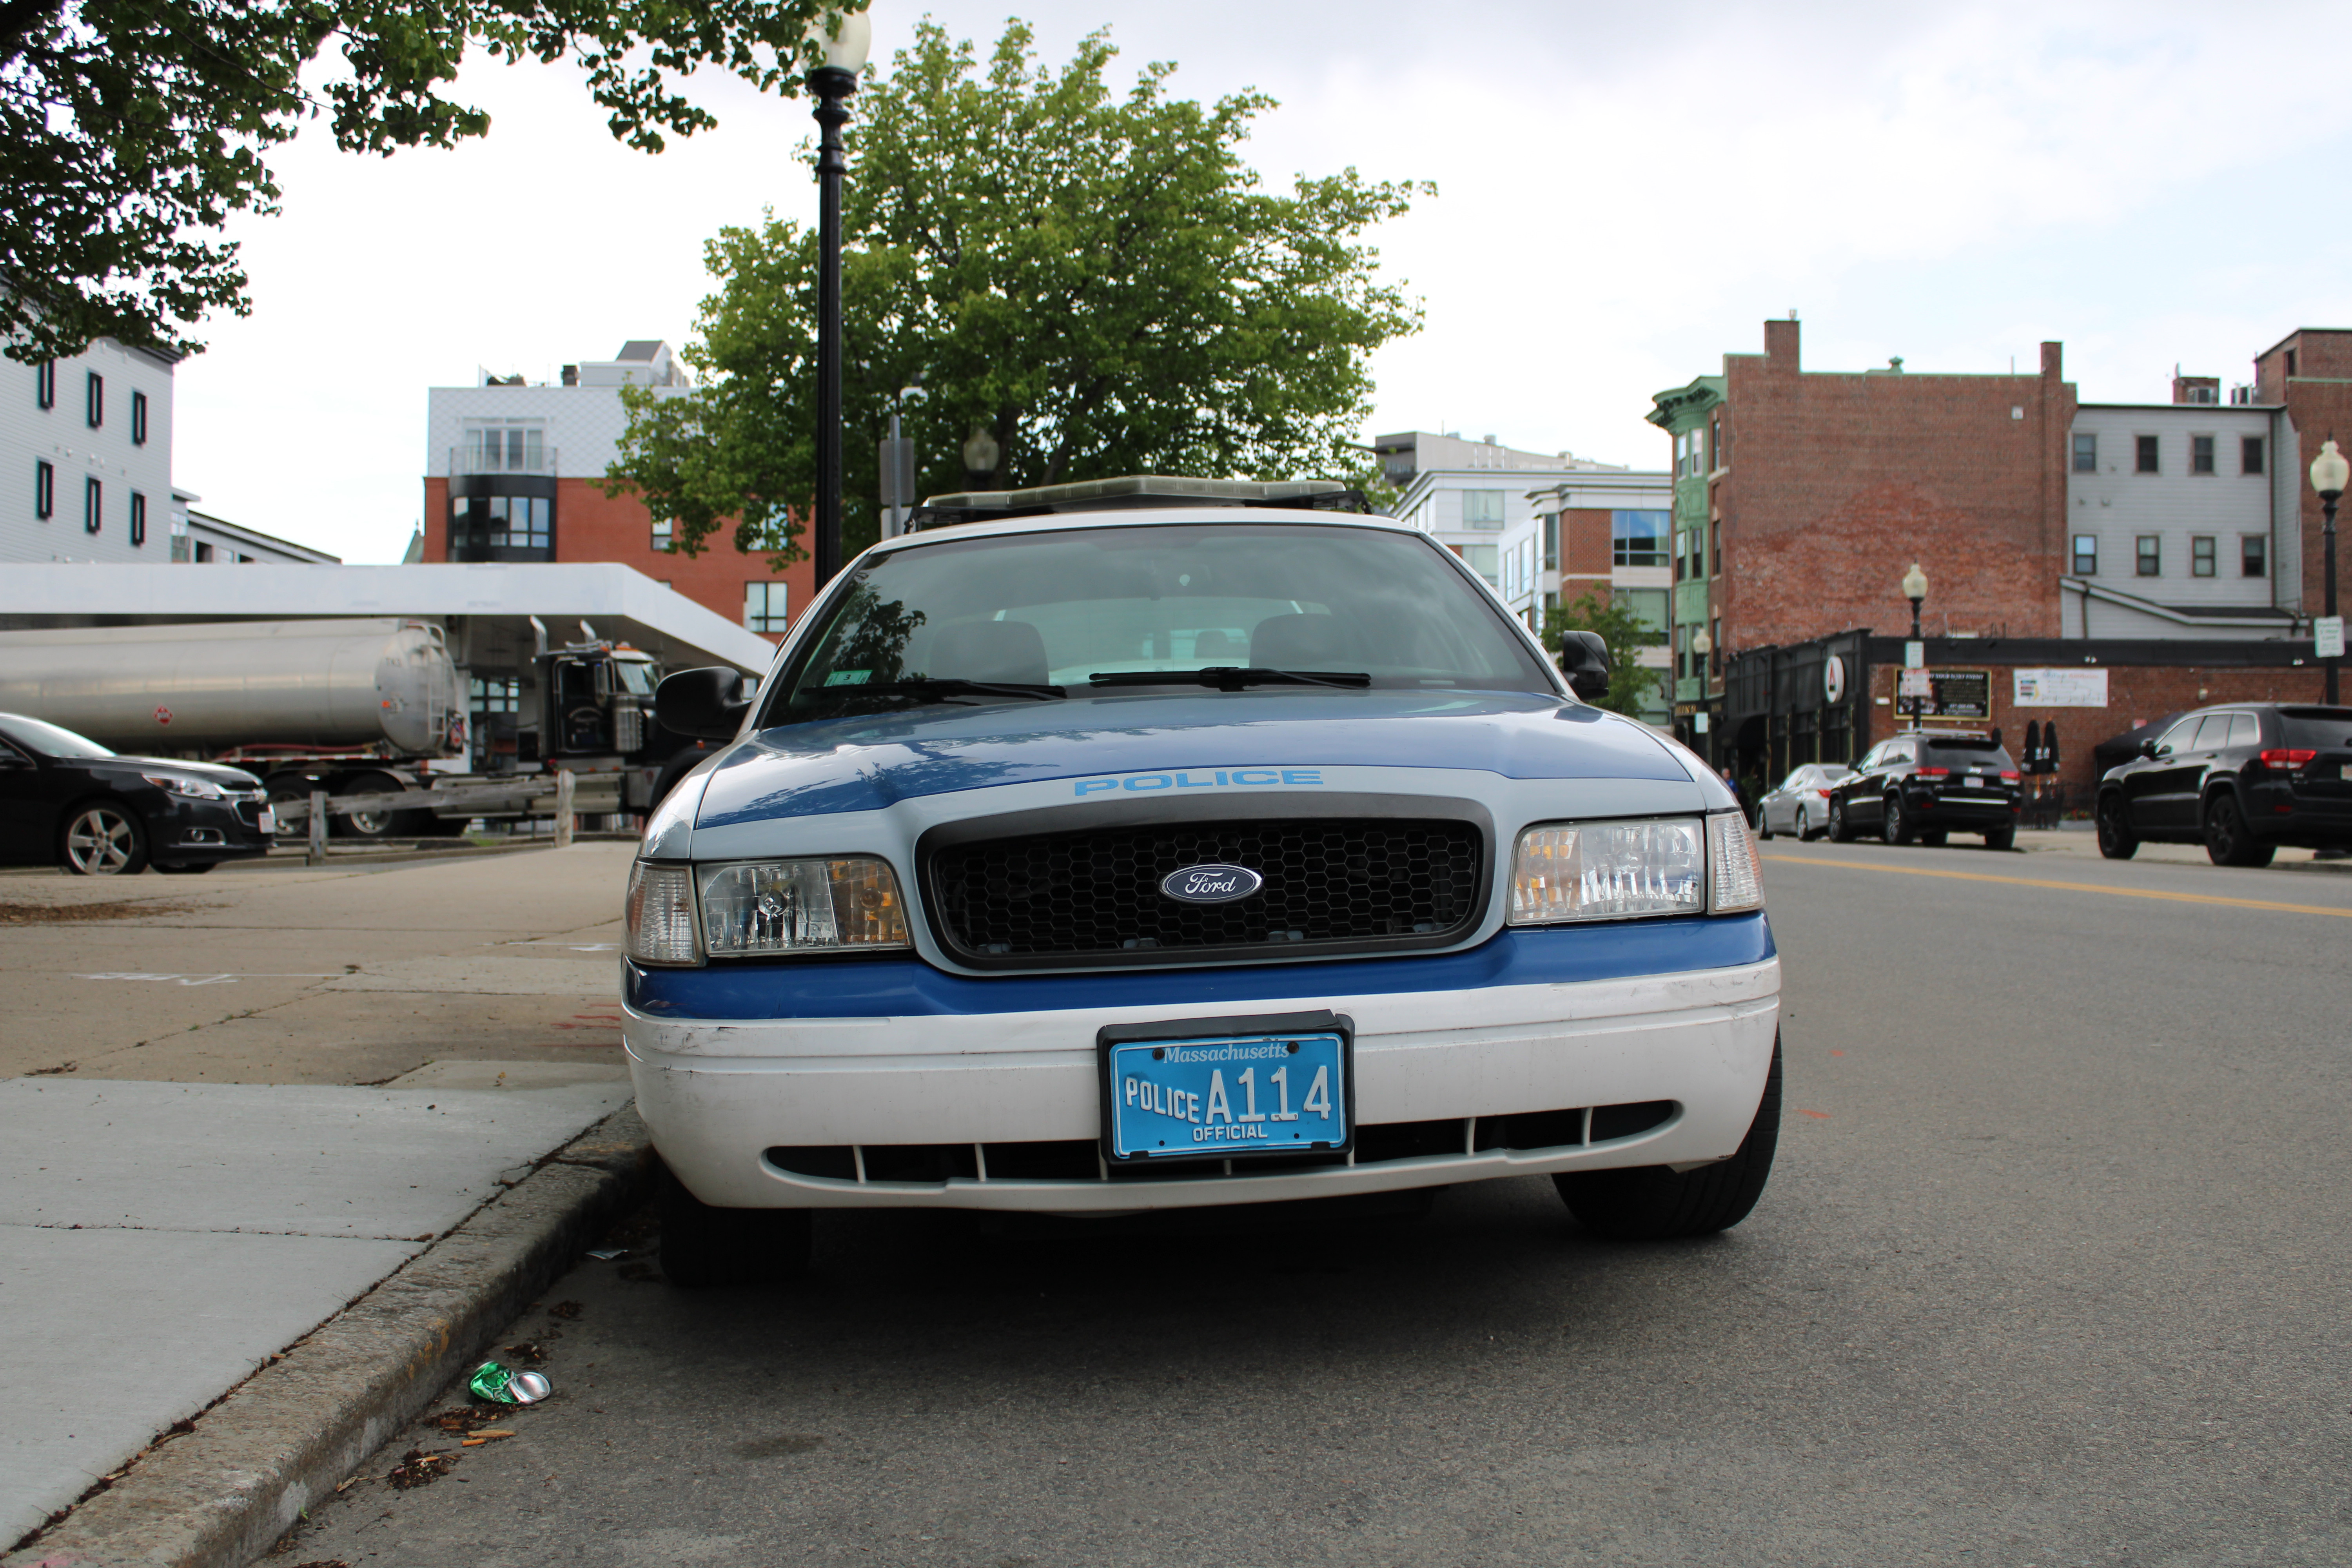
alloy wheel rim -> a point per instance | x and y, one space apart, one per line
100 842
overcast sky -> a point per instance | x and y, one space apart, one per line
1625 192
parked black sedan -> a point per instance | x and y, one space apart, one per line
1928 783
2241 779
64 797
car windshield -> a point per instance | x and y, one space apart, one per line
1032 615
2320 729
1965 752
48 738
636 676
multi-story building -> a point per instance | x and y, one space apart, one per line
200 539
1473 497
511 472
1604 535
87 445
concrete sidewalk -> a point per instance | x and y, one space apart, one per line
245 1102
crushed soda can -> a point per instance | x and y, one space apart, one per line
502 1384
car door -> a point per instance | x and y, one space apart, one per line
2152 789
1863 792
28 814
1781 806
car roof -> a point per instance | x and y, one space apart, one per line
1141 517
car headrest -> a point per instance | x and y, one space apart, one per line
1008 651
1303 642
1215 644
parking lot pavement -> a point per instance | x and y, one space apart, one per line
192 1177
2050 1272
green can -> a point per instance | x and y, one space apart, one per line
502 1384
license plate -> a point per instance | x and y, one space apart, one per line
268 823
1223 1089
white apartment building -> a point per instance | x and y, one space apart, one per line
2183 520
1473 496
86 444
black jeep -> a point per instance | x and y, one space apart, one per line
1925 783
2241 779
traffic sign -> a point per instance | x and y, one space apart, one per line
2327 637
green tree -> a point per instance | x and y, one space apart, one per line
130 129
1095 280
1630 684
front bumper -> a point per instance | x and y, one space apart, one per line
885 1056
190 831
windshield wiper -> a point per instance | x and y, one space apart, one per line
1231 677
932 687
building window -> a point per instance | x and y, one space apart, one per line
204 553
480 524
2250 454
1482 509
2200 455
1551 541
2086 454
1482 559
665 530
138 519
94 399
2086 555
2151 556
2254 555
1637 538
45 489
93 504
505 449
763 607
2200 555
1714 547
2147 463
139 419
45 384
2290 362
1714 649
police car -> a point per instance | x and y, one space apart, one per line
1151 844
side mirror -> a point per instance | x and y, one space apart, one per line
706 704
2147 747
1584 659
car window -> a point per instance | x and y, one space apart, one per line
1831 773
2213 733
2181 736
1967 752
2321 729
35 736
1898 753
1797 780
2245 730
1053 609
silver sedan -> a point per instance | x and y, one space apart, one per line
1802 805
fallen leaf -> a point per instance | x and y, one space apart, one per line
566 1310
1817 1115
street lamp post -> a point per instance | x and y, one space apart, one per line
1915 588
844 50
2329 474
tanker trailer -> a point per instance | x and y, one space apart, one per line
305 703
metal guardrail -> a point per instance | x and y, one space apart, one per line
563 802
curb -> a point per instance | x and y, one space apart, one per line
221 1495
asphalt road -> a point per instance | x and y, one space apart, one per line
2052 1271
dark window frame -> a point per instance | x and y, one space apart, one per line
2204 455
2254 555
2081 555
138 418
94 399
2204 555
2147 455
767 618
2252 458
45 385
2086 452
138 519
45 489
2148 555
94 503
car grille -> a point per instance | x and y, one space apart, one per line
1094 896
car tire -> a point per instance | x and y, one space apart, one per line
372 825
1763 825
186 868
1841 830
102 838
2228 841
1896 822
1653 1203
1804 827
2116 840
2000 838
703 1247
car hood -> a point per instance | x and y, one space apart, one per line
211 773
869 762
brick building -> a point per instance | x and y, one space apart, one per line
2056 536
1603 534
510 476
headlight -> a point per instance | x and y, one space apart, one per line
1618 871
659 915
195 789
801 906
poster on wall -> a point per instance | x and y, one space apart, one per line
2061 688
1959 694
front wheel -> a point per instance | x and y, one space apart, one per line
102 840
2116 840
702 1245
1898 821
2227 841
1652 1202
1841 830
1763 825
1804 827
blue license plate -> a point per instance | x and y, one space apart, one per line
1229 1095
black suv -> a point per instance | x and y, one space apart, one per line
2241 779
1925 783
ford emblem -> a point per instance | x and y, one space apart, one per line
1211 884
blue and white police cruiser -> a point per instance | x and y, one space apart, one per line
1142 850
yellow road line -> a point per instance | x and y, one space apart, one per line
2065 887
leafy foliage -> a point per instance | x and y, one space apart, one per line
1630 684
1094 281
130 129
